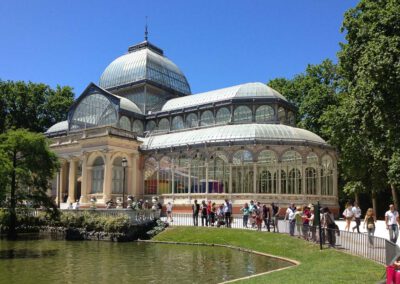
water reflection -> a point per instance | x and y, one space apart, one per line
106 262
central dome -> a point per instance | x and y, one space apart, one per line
144 62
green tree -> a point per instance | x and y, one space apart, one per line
311 92
26 165
369 63
32 106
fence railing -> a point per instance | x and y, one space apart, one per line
135 216
371 247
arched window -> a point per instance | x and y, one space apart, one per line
242 172
223 116
242 114
264 113
163 124
177 123
327 175
207 118
150 176
191 120
94 110
281 115
311 181
151 125
125 123
291 164
117 176
98 175
165 174
218 173
266 168
137 126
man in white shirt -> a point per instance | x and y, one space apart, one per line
357 216
392 221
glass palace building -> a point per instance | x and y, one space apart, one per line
239 142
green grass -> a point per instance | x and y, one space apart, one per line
326 266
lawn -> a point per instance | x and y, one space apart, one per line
326 266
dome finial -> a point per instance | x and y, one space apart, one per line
146 33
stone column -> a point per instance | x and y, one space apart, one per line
63 179
132 182
86 179
107 183
72 180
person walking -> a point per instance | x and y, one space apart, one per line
169 212
228 212
246 213
329 226
392 223
266 212
357 216
348 216
195 209
275 216
369 224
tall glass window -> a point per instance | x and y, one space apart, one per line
327 175
191 120
218 173
181 173
165 176
242 114
117 177
291 118
311 181
291 164
98 175
125 123
242 172
207 118
223 116
198 175
163 124
266 167
265 113
177 123
150 176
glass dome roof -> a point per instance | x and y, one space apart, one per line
144 61
248 90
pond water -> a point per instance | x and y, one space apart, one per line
59 261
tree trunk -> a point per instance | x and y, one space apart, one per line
374 205
12 233
357 198
394 195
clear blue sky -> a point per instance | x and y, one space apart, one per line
215 43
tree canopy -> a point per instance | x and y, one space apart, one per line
32 106
27 165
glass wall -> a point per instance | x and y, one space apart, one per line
137 126
165 176
311 174
150 176
242 172
191 120
181 174
291 170
281 115
207 118
198 175
177 123
218 173
326 175
163 124
151 125
125 123
267 172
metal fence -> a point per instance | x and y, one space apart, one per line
135 216
374 248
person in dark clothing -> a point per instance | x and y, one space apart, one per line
266 212
195 209
275 216
204 217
